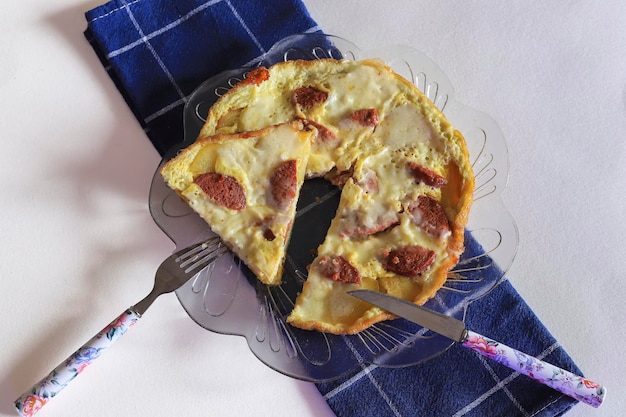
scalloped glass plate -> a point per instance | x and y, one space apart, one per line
227 298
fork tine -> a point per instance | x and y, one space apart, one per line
190 251
205 257
201 254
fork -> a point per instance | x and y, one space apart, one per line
173 272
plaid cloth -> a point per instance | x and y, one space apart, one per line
158 51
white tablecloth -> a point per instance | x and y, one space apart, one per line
80 245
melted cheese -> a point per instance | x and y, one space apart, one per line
373 214
249 159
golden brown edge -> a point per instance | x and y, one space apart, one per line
190 152
456 244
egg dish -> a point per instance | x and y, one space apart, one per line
404 173
246 187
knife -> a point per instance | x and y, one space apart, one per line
561 380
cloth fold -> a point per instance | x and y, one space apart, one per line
158 51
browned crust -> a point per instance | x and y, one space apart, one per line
204 139
458 193
256 76
354 328
464 197
212 119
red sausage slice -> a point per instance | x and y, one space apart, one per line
338 269
324 134
427 213
307 97
409 261
224 190
427 176
284 183
365 117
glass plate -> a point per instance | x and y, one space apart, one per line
227 298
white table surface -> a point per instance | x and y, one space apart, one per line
79 245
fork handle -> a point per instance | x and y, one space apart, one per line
34 399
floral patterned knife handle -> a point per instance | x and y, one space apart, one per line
561 380
31 401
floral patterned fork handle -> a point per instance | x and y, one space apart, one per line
171 274
33 400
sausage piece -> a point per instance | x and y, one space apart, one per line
409 261
268 234
265 225
368 181
338 269
427 176
224 190
324 134
307 97
365 117
355 226
284 183
428 213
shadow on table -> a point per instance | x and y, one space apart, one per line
124 168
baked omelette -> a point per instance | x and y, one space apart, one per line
404 172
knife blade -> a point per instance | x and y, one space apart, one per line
577 387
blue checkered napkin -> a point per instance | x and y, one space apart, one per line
158 51
460 382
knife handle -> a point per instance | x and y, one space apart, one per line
561 380
35 398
